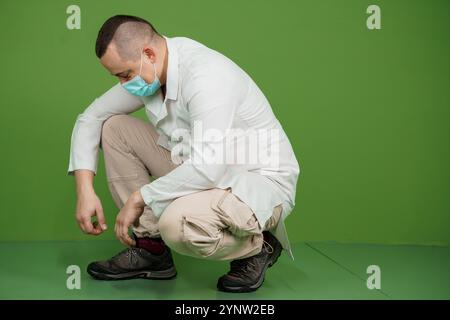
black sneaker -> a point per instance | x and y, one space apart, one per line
247 274
134 263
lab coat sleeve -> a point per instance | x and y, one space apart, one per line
86 134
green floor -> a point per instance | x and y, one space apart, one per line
37 270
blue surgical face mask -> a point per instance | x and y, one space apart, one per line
139 87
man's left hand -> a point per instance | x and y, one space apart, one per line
128 215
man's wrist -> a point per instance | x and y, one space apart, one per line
137 199
85 189
84 181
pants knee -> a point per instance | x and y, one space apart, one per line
170 228
111 125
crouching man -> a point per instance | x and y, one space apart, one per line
211 175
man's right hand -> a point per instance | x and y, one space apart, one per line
88 204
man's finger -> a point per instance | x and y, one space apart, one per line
128 240
87 225
96 230
124 235
101 217
80 224
117 229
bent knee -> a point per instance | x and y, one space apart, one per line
170 227
111 127
112 123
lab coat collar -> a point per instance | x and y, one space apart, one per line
156 103
172 70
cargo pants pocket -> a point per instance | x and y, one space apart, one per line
235 215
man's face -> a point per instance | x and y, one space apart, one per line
125 70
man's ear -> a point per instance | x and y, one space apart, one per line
150 53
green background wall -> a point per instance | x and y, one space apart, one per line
366 111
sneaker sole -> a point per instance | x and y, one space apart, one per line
142 274
254 287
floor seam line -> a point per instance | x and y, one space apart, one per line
345 268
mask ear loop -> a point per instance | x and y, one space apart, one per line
154 68
140 68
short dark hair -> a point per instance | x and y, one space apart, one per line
109 28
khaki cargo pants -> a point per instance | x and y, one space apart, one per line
211 224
